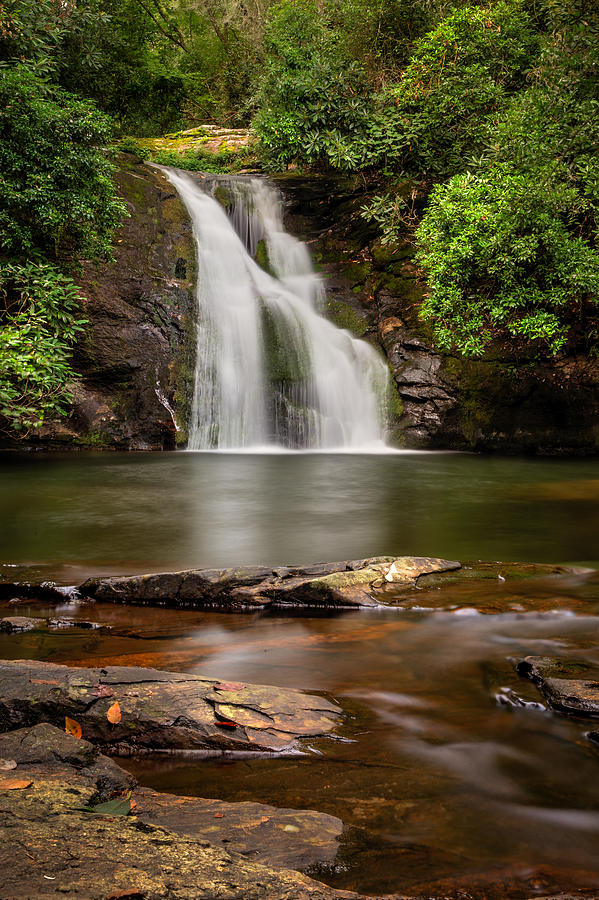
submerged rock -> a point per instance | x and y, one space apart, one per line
161 710
59 839
279 837
570 687
12 624
349 583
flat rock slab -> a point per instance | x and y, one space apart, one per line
352 583
570 687
57 844
161 710
289 838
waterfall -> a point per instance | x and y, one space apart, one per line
271 371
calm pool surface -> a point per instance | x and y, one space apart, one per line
136 512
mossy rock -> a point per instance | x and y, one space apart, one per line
345 316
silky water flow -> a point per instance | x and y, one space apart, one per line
271 371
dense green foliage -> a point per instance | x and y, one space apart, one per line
460 73
41 318
56 192
57 205
500 256
314 98
520 256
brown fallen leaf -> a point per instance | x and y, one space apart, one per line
7 764
229 686
42 681
13 784
72 727
219 815
114 713
226 723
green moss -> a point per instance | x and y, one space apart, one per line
394 405
182 374
94 439
357 272
223 195
286 358
261 257
345 316
389 255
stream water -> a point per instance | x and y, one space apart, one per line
443 787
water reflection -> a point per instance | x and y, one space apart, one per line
137 512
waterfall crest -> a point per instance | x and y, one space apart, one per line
270 369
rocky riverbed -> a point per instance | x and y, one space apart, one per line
425 719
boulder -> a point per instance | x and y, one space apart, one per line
12 624
155 710
570 687
344 584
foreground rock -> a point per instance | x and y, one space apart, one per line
155 710
291 838
569 687
345 584
59 840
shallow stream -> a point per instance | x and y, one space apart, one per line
444 786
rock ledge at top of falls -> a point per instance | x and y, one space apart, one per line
160 710
352 583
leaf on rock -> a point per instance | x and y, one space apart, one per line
226 723
118 807
13 784
114 713
219 815
72 727
102 691
229 686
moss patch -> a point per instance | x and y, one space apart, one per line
345 316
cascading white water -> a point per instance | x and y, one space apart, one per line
270 369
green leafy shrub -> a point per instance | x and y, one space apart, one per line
56 190
314 99
40 320
501 260
131 145
223 161
465 69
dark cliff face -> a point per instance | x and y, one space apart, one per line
137 357
506 402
